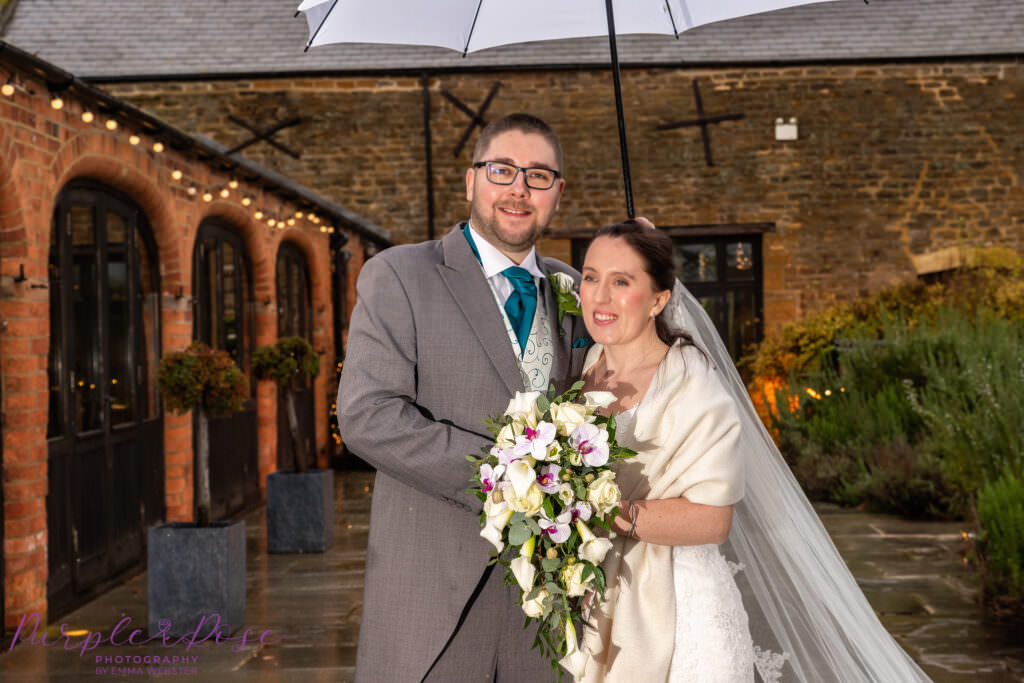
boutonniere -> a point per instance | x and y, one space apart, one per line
566 296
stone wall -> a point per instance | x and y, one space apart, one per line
893 159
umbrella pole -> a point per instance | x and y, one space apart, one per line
623 148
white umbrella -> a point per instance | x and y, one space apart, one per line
469 25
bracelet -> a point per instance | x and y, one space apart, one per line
632 519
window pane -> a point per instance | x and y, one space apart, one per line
740 261
85 351
120 377
211 324
232 303
696 262
742 321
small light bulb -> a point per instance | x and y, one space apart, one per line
271 222
298 214
111 124
7 89
87 116
233 184
323 228
207 197
158 147
258 215
57 102
291 221
330 229
246 201
192 190
176 174
225 192
135 139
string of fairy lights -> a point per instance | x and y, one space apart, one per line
275 217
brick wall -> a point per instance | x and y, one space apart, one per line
41 151
893 160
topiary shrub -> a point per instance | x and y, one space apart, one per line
286 362
208 381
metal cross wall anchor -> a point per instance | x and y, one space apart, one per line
477 117
702 121
266 135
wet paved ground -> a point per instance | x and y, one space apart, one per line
910 570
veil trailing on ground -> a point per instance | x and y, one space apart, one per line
808 618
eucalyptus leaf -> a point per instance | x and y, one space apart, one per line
518 534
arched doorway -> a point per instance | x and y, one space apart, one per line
294 319
105 428
224 320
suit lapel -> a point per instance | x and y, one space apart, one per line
469 288
560 339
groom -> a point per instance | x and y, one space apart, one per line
442 336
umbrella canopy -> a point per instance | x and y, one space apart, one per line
469 25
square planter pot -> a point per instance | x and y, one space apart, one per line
300 511
196 576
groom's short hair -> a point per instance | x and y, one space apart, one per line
522 122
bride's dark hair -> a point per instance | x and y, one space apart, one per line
655 250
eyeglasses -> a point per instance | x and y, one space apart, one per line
505 174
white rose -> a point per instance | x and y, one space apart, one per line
603 493
531 504
564 282
572 577
523 408
568 416
535 608
599 400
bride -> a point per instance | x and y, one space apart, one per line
720 566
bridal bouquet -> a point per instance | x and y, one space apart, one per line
544 484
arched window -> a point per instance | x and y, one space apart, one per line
224 320
294 319
105 432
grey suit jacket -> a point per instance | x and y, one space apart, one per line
428 359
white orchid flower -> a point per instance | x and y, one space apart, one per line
489 477
547 480
557 529
592 549
592 444
535 442
582 511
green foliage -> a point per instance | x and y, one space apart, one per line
913 423
1001 539
993 283
287 359
199 376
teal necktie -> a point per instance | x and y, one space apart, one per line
521 303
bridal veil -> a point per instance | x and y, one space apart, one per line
808 618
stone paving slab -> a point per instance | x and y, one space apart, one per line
911 572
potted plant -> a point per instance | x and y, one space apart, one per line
196 571
300 502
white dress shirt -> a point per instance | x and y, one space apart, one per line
493 262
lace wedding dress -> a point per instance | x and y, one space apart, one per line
712 637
